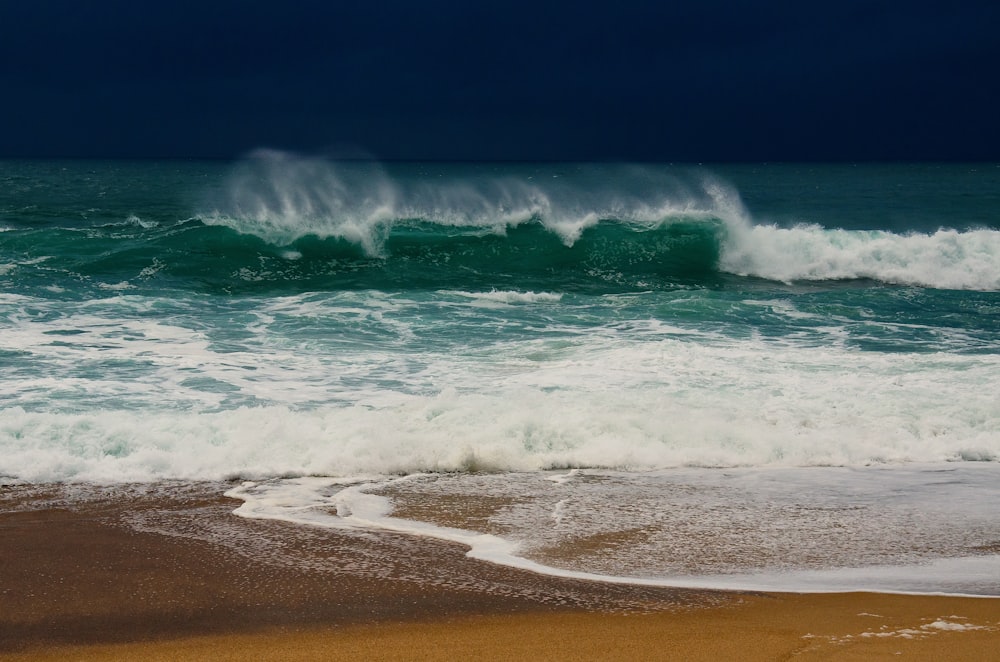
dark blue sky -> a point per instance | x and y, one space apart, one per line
666 81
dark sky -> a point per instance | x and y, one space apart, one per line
701 80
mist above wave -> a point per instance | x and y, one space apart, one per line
281 197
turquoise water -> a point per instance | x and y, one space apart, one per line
286 316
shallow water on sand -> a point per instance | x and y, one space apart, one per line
922 529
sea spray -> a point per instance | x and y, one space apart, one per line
281 197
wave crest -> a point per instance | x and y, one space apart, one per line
281 198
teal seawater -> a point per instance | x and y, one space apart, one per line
158 316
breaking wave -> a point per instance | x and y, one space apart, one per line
291 223
638 222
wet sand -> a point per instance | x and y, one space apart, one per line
166 572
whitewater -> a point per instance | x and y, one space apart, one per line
664 353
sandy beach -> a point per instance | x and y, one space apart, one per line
167 572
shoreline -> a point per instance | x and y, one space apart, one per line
701 543
124 571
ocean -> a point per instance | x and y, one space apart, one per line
771 376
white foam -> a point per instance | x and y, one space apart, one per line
116 287
135 220
153 269
564 478
7 269
510 296
972 576
952 626
946 259
393 400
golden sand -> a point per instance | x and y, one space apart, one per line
774 627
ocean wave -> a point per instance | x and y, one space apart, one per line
293 223
281 197
610 255
617 221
